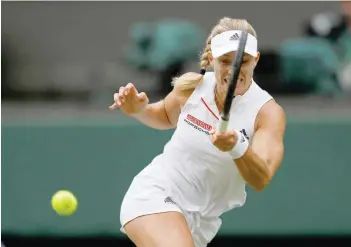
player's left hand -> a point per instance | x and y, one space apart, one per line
223 141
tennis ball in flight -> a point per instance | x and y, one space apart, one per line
64 203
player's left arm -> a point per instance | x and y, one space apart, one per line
261 161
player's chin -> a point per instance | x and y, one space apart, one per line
239 89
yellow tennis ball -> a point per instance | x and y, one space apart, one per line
64 203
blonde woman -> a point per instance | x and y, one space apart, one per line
178 198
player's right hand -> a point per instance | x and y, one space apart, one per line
129 100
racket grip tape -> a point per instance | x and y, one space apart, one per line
222 125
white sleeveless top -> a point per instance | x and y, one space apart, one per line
196 175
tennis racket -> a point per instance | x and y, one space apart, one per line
238 60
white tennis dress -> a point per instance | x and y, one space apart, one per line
192 176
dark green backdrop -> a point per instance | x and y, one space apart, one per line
96 161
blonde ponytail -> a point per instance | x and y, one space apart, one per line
190 80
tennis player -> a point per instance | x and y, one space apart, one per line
178 198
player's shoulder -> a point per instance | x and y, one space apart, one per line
271 113
181 96
184 94
272 107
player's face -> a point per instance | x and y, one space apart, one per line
223 68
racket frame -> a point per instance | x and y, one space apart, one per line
238 60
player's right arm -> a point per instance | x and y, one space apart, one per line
160 115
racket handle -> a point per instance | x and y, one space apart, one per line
222 125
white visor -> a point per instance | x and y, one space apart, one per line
229 41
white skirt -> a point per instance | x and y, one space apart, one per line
147 196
